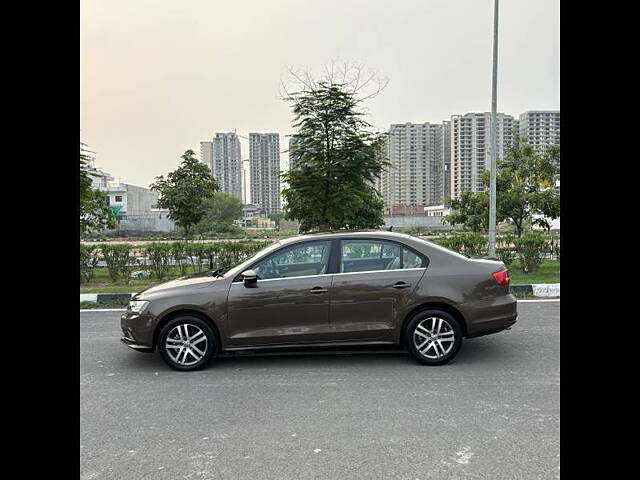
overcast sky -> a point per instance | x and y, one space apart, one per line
159 76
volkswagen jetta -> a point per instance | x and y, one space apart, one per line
329 289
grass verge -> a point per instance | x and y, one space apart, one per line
87 305
549 272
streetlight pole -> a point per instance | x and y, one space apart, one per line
494 127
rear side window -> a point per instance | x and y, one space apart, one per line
411 260
376 255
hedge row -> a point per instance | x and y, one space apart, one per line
531 248
160 258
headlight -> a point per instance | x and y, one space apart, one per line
137 306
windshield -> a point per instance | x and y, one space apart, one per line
244 265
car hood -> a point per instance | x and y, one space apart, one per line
202 280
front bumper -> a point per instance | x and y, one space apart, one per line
138 331
131 343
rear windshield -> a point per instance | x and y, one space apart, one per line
442 249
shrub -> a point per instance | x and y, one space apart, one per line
531 249
554 246
472 244
506 254
88 261
179 255
505 250
159 258
196 253
120 261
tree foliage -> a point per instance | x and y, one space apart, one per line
95 214
185 191
337 156
224 208
524 188
220 212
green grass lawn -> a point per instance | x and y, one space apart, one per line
549 273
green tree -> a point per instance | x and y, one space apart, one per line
524 188
276 217
224 208
221 210
337 156
95 214
185 191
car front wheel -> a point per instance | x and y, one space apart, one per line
433 337
187 343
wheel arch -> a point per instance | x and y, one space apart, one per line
186 311
446 307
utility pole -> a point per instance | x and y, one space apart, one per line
494 126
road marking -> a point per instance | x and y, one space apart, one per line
83 310
544 300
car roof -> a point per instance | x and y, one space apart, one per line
382 234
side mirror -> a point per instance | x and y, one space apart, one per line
250 278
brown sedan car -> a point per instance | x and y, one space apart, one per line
330 289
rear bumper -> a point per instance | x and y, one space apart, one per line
491 316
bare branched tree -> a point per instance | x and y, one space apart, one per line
351 76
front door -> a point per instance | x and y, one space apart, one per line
374 283
290 303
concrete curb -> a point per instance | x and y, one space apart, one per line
534 290
105 297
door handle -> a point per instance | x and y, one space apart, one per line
401 285
318 290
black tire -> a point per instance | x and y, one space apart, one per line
191 324
446 349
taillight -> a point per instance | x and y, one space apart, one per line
502 277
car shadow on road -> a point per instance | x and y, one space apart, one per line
485 351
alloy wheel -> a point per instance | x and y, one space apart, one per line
434 338
186 344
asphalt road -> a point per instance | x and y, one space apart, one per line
493 413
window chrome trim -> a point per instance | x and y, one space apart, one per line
377 271
287 278
329 274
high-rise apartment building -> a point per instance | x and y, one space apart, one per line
416 154
446 159
293 141
470 148
226 163
206 154
540 128
264 164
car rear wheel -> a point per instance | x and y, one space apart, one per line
433 337
187 343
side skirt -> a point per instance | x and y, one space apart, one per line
305 345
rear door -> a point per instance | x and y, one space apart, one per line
374 282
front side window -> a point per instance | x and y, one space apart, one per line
375 255
297 261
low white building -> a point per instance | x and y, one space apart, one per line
437 211
135 207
